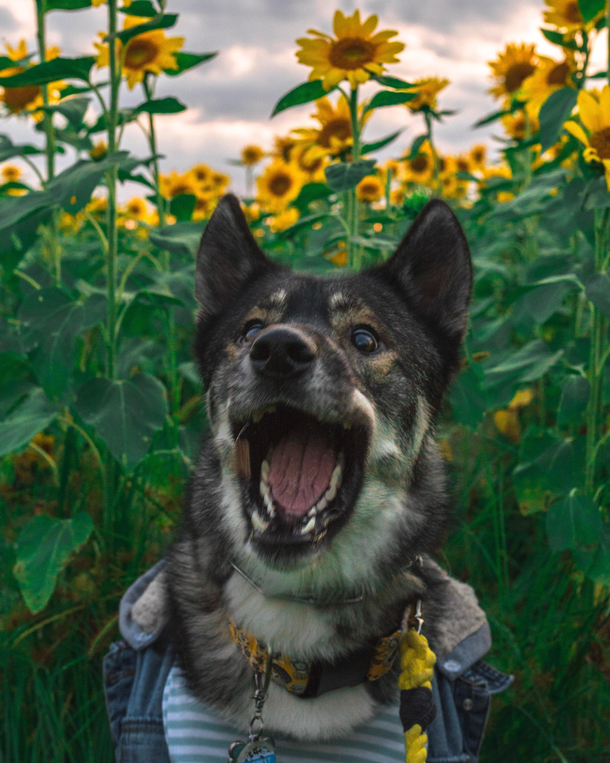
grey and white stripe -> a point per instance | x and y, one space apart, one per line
195 735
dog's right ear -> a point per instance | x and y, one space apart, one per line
227 259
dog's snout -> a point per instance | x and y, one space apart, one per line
282 351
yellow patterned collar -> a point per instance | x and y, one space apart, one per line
308 679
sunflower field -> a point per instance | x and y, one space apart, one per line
101 407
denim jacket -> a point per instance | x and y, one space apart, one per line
136 670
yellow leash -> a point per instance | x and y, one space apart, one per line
417 707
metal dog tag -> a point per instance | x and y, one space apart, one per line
261 751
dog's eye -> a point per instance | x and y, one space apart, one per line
251 330
364 340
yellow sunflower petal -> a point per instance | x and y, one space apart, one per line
576 130
604 106
589 111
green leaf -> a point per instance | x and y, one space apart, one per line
493 117
32 416
597 290
596 194
67 5
305 223
573 402
554 112
50 71
125 414
94 311
58 320
187 61
468 399
367 148
8 150
181 238
305 93
44 547
556 38
343 175
539 304
393 82
183 206
575 522
165 21
143 8
529 363
590 8
73 110
161 106
311 192
388 98
416 145
599 571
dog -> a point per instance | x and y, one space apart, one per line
320 486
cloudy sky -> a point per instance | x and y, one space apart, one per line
231 98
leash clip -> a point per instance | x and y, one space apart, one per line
416 620
261 688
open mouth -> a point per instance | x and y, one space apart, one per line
301 476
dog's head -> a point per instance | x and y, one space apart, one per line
322 391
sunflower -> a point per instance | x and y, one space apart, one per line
201 173
354 55
512 68
420 168
464 163
594 114
478 155
205 204
252 212
173 185
99 150
497 171
335 132
10 173
278 185
282 147
370 188
284 219
219 181
312 161
137 208
549 76
251 155
148 52
427 90
28 97
565 15
520 125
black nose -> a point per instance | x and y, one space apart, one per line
280 352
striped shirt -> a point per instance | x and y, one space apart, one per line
195 735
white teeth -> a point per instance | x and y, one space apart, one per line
321 504
309 526
312 512
330 493
269 505
258 522
265 470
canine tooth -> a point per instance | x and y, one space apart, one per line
270 409
330 493
258 522
312 511
262 488
265 470
257 416
269 504
242 457
309 526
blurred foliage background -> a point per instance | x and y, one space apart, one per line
101 408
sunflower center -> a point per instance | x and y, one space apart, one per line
181 188
463 165
17 98
600 141
420 163
558 75
140 51
572 13
280 183
352 53
339 128
516 74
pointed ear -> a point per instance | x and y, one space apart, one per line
433 270
228 258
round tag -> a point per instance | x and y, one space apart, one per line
261 751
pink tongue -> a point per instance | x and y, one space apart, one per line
300 469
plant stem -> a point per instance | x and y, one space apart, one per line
597 357
44 89
435 159
354 253
111 180
174 386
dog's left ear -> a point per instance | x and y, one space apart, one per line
227 259
432 268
